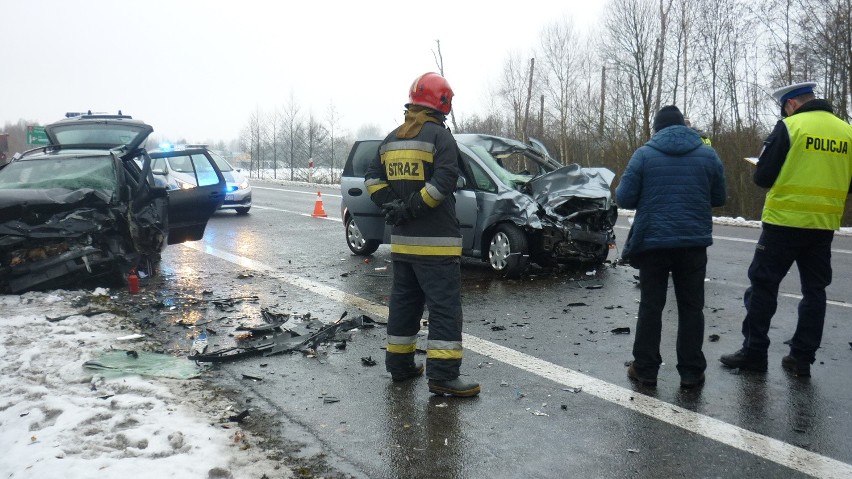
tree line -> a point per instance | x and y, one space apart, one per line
591 97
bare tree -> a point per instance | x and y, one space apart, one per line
294 132
439 61
513 91
635 48
559 50
332 122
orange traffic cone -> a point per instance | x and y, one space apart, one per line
319 211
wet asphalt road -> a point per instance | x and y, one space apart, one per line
552 338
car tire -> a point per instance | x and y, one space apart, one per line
508 253
355 240
242 211
602 254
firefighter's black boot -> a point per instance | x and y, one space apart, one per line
455 387
415 371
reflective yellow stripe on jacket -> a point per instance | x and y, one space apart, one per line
426 245
811 189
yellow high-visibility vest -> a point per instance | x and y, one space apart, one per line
811 189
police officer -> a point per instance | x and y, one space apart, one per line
704 138
412 179
806 163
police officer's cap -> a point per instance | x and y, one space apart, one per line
783 94
791 91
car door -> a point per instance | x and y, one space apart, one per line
367 216
190 207
467 209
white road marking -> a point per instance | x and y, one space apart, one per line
298 213
841 304
753 443
746 240
311 193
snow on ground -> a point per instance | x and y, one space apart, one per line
61 420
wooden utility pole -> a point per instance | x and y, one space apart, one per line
525 131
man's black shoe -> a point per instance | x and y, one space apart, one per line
743 360
455 387
692 383
415 371
799 367
643 380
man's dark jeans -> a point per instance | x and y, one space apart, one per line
687 267
777 249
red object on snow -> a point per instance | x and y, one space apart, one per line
133 282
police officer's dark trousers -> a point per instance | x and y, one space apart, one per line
688 267
777 249
437 286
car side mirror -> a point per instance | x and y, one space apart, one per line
124 193
461 183
239 170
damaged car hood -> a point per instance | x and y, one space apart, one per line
572 181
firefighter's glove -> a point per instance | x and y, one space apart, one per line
416 205
396 212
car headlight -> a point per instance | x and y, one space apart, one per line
184 185
244 184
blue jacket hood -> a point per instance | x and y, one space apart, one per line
675 140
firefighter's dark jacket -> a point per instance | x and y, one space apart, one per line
418 164
792 198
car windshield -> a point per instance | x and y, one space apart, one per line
508 178
220 162
68 173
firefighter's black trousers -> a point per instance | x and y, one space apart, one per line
438 288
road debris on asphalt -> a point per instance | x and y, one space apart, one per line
285 333
621 330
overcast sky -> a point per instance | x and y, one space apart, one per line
198 69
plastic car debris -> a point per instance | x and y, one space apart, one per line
199 345
621 330
305 336
239 417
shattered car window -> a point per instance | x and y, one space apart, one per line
68 173
493 164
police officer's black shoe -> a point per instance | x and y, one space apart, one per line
415 371
455 387
799 367
743 359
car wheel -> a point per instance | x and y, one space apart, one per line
355 240
507 251
602 254
243 211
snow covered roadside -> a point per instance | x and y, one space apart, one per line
58 419
739 221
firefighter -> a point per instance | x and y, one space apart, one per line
412 179
806 163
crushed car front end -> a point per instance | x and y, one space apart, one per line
576 215
67 218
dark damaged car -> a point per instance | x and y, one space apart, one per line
86 207
516 205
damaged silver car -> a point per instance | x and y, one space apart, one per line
516 205
86 207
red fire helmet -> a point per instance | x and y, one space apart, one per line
431 90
